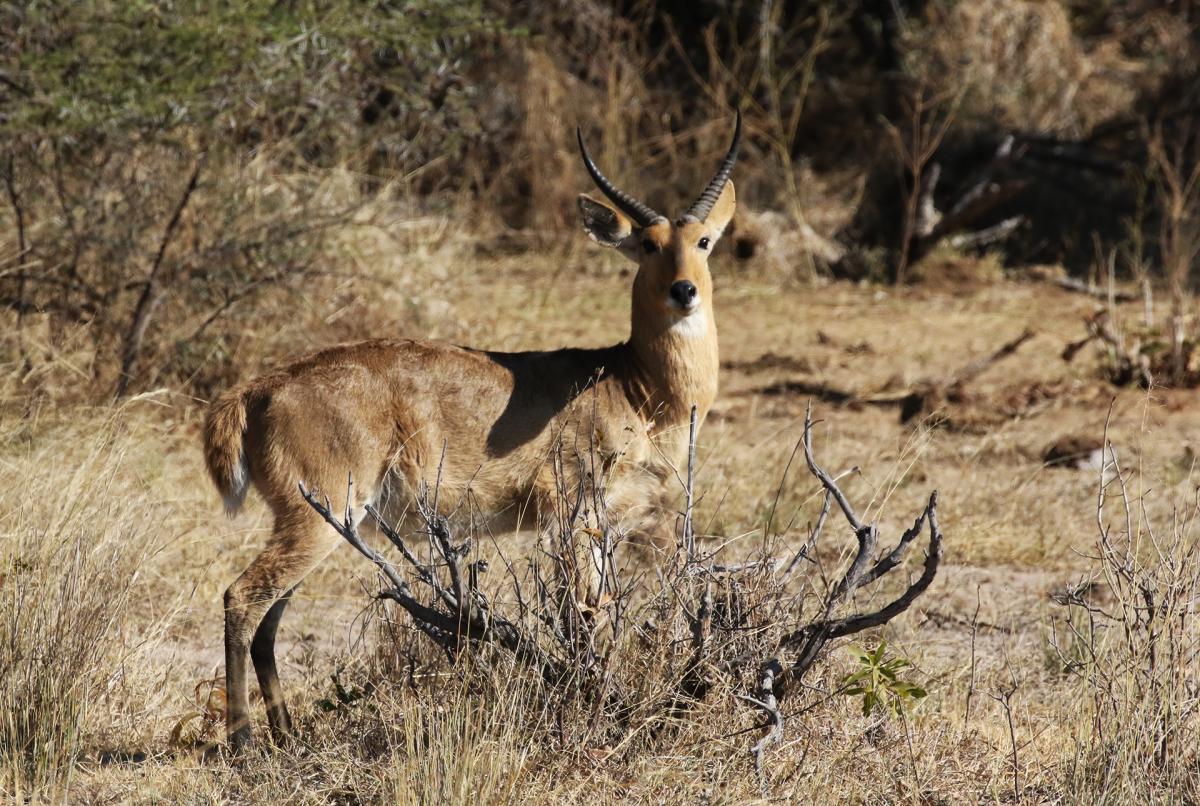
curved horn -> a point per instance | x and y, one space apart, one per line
703 205
642 214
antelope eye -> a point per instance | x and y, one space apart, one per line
649 246
703 243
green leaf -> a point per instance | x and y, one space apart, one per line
878 681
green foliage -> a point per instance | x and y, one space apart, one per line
251 69
107 106
878 682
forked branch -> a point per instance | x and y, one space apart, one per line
458 616
812 638
807 642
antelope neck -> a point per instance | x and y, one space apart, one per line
674 365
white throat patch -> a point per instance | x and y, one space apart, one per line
693 326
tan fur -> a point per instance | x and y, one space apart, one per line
383 412
223 429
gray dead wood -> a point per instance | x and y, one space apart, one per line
457 617
1078 286
805 645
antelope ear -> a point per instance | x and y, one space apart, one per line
722 211
604 225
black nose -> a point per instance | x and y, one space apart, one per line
683 292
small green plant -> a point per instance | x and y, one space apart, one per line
877 681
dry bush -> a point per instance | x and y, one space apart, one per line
284 259
1019 63
1130 639
619 655
153 271
71 544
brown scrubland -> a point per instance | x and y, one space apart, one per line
965 240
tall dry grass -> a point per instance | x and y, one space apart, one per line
72 542
470 747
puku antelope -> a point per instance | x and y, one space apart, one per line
399 416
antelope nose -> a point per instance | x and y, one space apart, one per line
684 293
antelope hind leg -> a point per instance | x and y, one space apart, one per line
255 602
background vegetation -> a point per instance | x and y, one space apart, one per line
166 165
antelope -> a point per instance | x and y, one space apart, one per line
399 416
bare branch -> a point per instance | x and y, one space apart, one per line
1078 286
854 624
927 214
987 235
977 366
896 555
350 533
814 534
152 292
766 701
689 532
828 483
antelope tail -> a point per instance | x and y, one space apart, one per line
224 447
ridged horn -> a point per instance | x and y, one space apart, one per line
703 205
642 214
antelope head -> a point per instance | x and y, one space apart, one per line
672 290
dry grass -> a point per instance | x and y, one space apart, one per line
1028 66
78 528
115 556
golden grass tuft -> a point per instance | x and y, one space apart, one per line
75 537
1024 67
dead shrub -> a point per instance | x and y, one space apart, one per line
619 655
1129 637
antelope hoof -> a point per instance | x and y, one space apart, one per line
281 738
240 740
